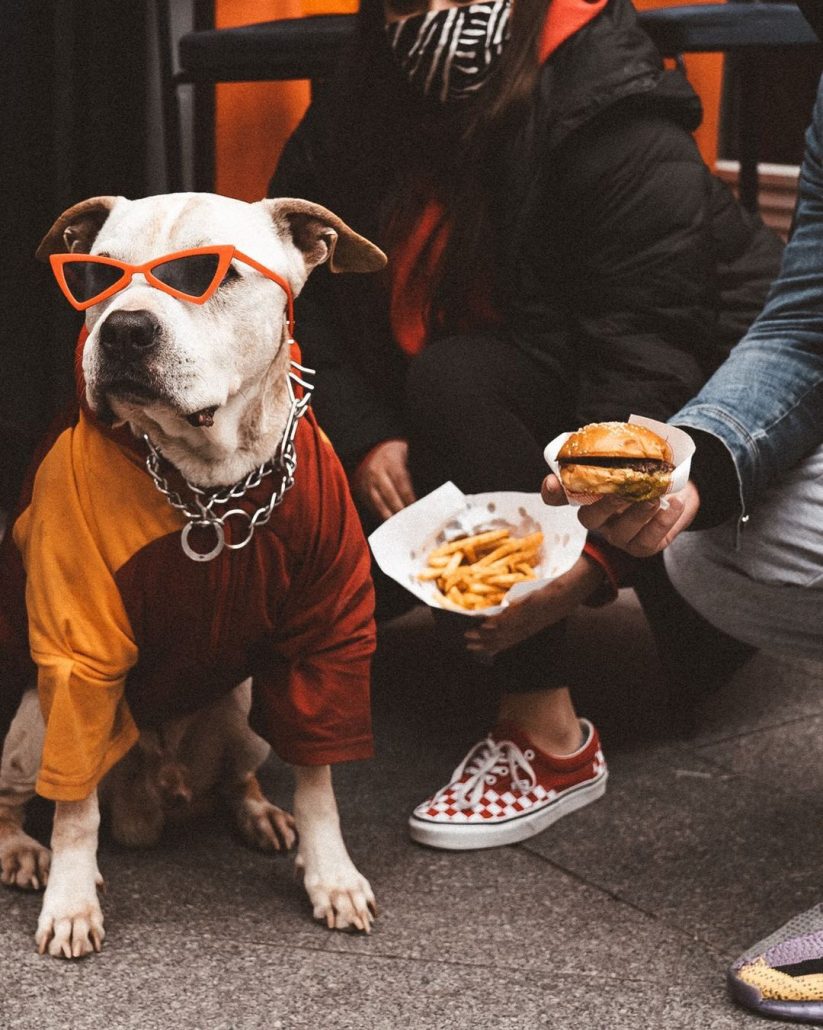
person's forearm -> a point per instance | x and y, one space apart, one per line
714 474
764 408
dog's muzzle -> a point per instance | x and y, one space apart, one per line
128 346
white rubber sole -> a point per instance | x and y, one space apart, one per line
472 836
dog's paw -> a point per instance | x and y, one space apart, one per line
24 862
71 921
339 895
264 825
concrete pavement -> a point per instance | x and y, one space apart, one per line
623 915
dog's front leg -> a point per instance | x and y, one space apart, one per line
71 922
338 893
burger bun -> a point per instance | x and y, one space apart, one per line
637 463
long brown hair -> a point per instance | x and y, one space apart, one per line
392 149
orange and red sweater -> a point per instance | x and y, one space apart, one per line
126 630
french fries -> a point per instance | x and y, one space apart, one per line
477 571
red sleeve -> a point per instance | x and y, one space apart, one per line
616 565
313 703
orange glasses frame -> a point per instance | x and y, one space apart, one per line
225 253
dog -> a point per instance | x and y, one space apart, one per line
197 586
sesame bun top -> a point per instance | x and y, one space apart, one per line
615 440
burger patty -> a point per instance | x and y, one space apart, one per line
647 465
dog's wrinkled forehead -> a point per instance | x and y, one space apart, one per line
139 230
287 235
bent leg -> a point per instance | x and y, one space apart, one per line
479 413
768 592
23 861
262 824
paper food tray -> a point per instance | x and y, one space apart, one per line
402 544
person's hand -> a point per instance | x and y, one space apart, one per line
638 529
382 481
541 608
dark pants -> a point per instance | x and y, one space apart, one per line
479 413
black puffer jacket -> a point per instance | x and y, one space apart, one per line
622 263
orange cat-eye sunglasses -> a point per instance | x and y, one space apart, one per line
192 275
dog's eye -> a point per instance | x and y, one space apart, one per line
231 274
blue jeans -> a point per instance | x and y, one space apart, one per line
765 403
764 584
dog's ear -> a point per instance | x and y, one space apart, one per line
322 236
76 229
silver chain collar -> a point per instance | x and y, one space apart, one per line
200 509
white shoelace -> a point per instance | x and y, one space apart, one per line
484 763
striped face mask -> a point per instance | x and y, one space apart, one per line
450 54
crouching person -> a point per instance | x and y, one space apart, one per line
752 559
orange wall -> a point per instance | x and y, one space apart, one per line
255 119
705 72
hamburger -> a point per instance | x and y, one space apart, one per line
616 458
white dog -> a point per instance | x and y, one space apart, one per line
190 556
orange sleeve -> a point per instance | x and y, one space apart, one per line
79 633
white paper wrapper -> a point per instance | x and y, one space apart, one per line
681 444
402 544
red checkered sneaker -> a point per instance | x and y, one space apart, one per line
506 789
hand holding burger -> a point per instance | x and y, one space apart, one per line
617 458
638 529
640 526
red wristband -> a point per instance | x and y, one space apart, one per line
614 563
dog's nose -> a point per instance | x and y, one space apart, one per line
129 334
